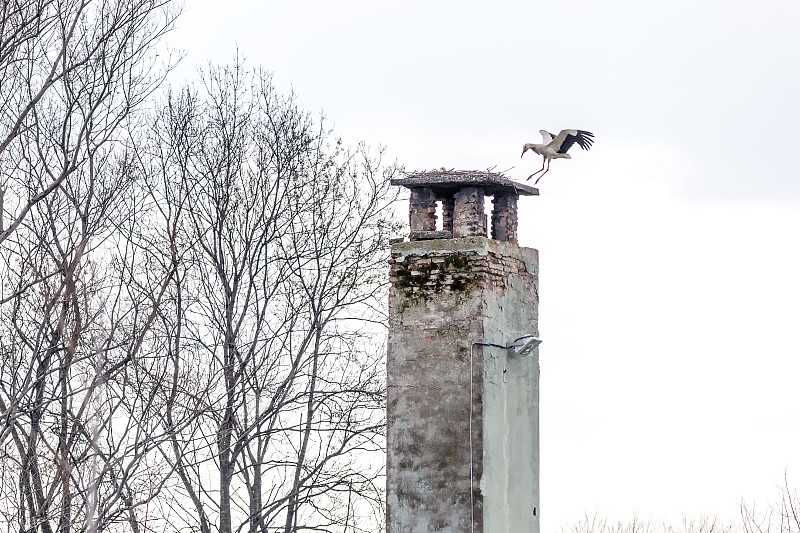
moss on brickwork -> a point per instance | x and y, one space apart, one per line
459 285
421 278
458 262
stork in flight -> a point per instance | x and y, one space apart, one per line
556 146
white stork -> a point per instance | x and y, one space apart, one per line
556 146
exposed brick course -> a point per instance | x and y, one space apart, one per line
422 209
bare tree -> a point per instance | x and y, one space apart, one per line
287 235
598 524
782 516
67 344
72 72
191 300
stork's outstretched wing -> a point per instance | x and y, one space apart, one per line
546 136
566 138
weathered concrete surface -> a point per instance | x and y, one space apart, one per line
462 419
511 407
428 235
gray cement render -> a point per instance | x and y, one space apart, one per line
463 446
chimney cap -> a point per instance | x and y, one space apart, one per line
491 182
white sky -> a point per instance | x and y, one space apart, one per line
670 257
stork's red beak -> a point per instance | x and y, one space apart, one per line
523 152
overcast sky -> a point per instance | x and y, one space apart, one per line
670 257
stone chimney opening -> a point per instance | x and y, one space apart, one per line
453 204
487 208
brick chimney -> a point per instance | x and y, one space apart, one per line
463 409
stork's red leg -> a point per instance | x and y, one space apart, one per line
545 172
532 175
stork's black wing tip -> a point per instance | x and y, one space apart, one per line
585 139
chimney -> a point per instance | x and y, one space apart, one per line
463 362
